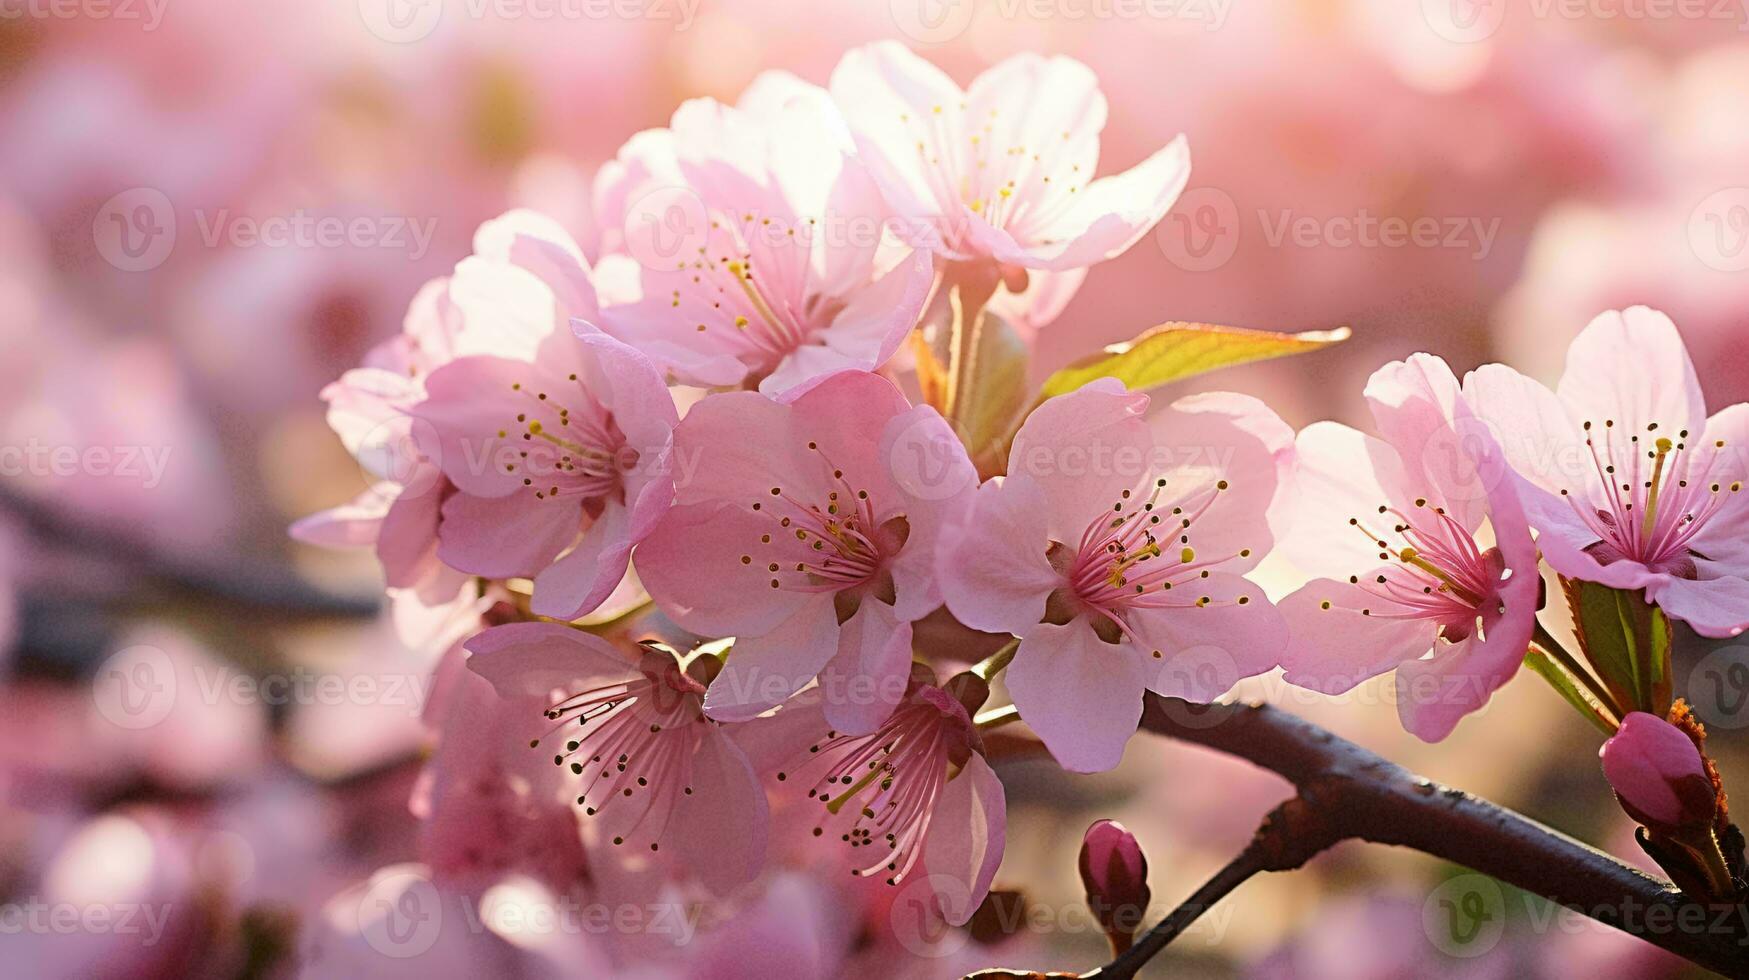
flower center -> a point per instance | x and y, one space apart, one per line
563 453
1434 570
1016 186
1134 556
635 746
747 313
880 790
839 545
1656 499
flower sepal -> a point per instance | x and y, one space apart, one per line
1626 640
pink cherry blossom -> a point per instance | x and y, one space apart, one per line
655 776
1394 525
1658 774
807 531
370 409
562 464
752 235
1116 548
912 804
1625 478
487 812
519 291
1002 170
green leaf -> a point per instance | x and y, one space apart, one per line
1174 351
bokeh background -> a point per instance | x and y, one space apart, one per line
202 717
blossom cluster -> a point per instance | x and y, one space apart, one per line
726 414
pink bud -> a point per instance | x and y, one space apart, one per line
1115 873
1658 774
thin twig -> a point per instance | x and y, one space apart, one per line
259 589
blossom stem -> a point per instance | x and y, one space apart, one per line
997 662
971 290
996 717
1546 642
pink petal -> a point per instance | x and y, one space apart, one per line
992 565
533 241
1717 607
1081 695
1541 441
880 315
1343 473
1334 649
1112 213
408 542
1221 437
1434 695
1419 410
1083 449
539 659
867 677
880 86
583 579
469 401
505 537
628 384
1632 367
1046 295
691 566
353 524
735 447
966 837
1206 650
763 671
719 832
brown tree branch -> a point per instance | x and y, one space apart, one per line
1350 793
258 588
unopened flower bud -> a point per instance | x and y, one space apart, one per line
1115 873
1658 775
